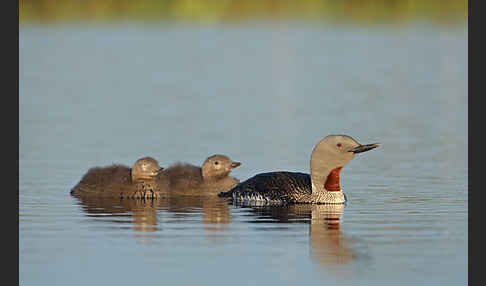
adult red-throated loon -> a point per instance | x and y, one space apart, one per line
322 186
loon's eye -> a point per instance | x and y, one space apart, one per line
339 145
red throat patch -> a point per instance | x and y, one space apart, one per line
332 181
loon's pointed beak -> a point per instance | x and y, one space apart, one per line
364 148
235 164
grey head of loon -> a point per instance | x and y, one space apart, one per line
329 156
145 168
218 166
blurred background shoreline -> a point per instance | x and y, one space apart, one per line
366 12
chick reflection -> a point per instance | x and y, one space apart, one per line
215 211
142 212
145 217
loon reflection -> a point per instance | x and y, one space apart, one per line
328 244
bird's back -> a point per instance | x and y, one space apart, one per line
183 178
187 180
114 181
272 188
101 179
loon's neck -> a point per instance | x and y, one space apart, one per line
326 186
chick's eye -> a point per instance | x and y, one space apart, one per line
216 163
339 145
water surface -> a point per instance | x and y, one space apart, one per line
263 94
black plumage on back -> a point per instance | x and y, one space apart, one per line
272 187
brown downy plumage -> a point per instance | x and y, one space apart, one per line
212 178
119 181
322 186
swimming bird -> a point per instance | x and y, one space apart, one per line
322 186
212 178
120 181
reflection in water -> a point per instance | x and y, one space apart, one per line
216 214
327 242
144 218
215 210
143 213
328 245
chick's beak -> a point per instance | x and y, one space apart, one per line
364 148
235 164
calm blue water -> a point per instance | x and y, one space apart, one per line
263 94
